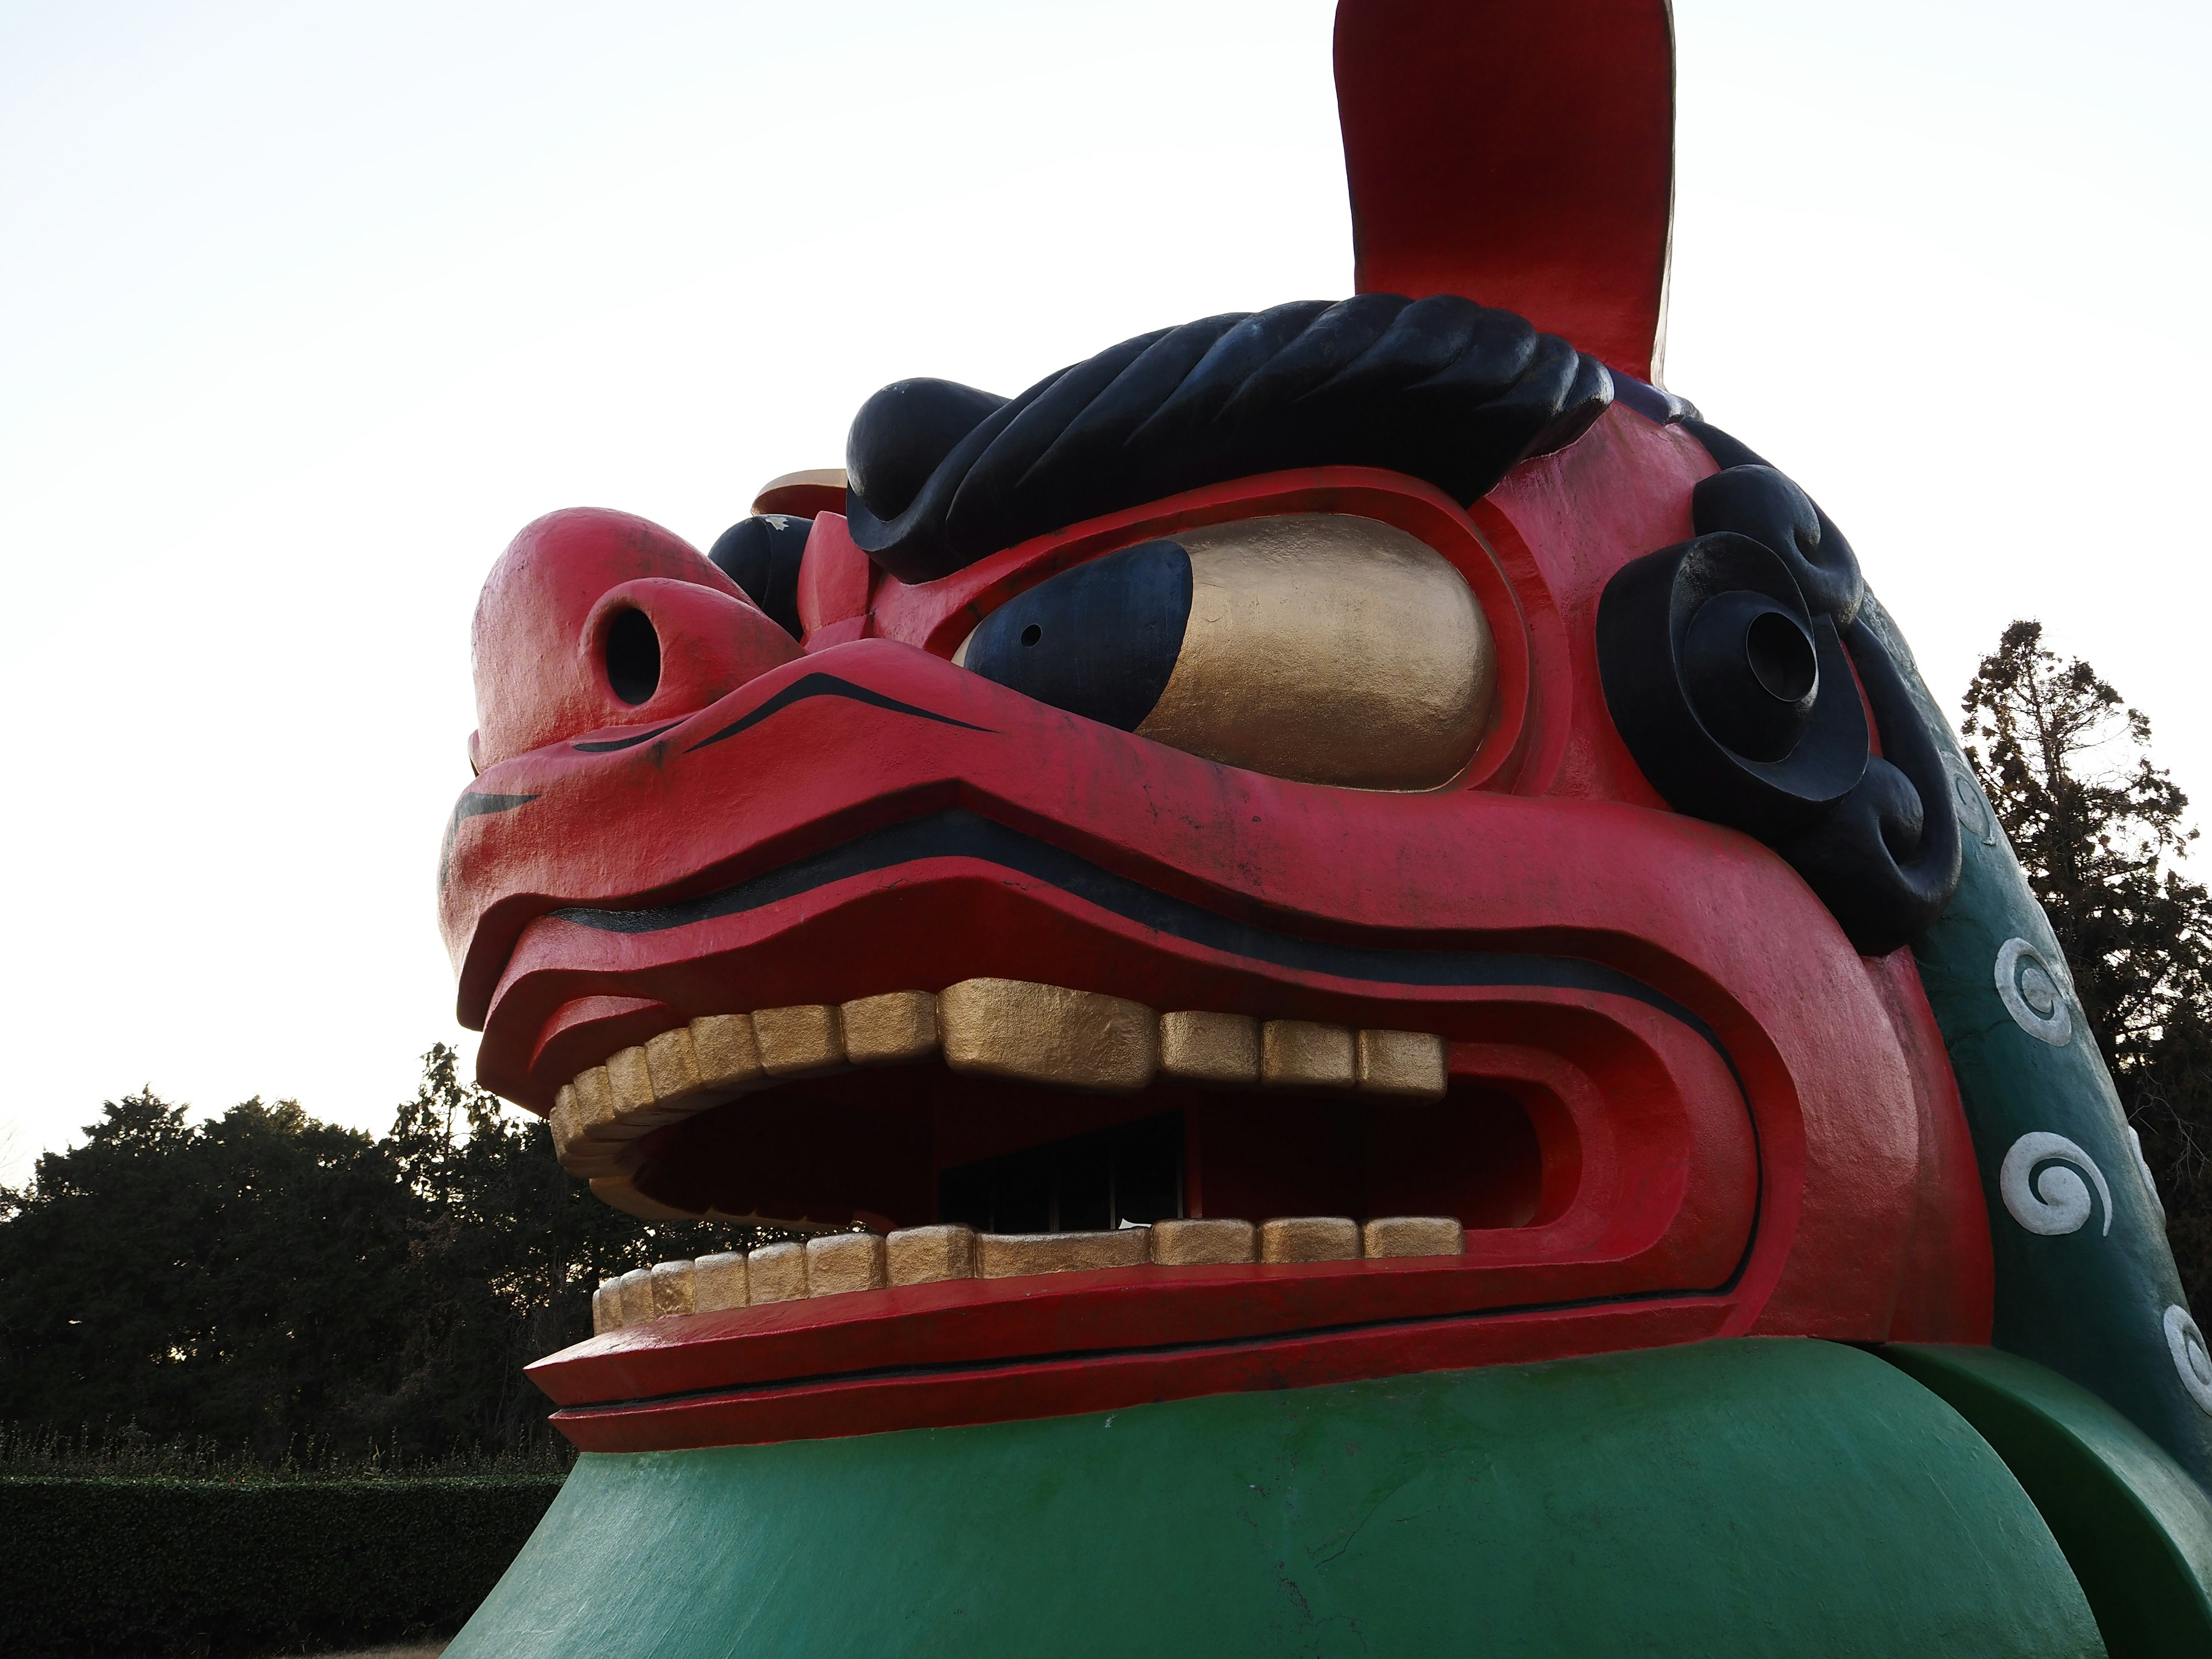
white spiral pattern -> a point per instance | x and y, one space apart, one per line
2041 1184
1975 817
2192 1360
2033 993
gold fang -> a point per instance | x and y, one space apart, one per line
1328 649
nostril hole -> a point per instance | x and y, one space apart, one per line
633 657
1781 657
1032 633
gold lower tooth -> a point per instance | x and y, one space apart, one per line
1011 1255
635 1289
719 1281
777 1272
671 1288
924 1255
1414 1235
1208 1243
837 1264
1309 1238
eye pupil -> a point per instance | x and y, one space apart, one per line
1032 633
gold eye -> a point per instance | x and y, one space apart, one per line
1330 649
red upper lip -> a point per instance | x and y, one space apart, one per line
1446 871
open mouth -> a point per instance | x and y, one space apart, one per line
1002 1127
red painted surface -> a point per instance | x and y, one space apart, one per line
833 580
1806 1169
1520 155
1721 1121
541 629
826 1406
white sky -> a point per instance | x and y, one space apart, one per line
304 310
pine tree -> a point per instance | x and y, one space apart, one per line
2098 828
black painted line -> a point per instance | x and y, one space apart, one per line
612 743
473 803
826 685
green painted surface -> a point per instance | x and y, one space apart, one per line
1750 1497
2091 1304
2136 1530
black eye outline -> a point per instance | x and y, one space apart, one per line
1099 640
630 653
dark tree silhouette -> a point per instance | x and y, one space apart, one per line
267 1281
2098 828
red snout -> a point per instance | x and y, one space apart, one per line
593 619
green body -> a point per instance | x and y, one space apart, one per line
1782 1497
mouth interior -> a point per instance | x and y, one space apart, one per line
910 1145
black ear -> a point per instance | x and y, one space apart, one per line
1757 501
760 555
1734 697
1886 861
1733 666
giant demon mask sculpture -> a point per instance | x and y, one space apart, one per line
1312 911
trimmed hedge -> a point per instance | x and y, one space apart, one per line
146 1567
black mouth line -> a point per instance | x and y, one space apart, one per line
827 685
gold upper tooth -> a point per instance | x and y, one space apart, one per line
1202 1048
796 1041
595 1108
836 1264
1006 1028
728 1053
1012 1028
671 1062
1298 1054
887 1030
1402 1065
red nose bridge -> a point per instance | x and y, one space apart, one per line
593 619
